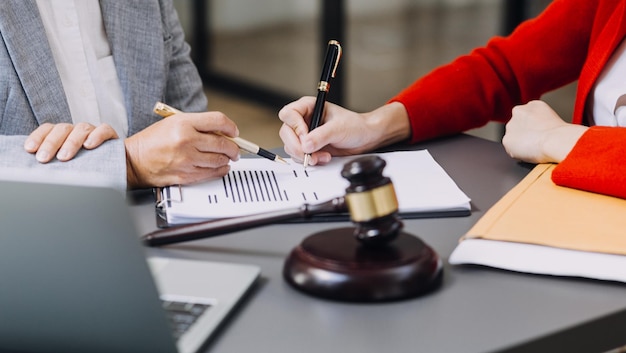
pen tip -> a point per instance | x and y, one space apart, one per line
306 161
281 160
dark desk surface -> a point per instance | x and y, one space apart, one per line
477 309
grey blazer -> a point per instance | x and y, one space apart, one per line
152 61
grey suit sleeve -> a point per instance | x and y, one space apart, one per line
184 87
108 160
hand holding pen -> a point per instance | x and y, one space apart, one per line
165 110
344 132
329 70
183 150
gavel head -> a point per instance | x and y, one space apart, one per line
371 201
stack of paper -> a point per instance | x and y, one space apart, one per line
257 185
539 227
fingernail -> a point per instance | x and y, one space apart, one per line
88 143
63 155
29 145
42 156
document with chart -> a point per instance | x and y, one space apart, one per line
255 185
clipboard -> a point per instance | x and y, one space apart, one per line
161 213
424 190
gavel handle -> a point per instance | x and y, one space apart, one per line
223 226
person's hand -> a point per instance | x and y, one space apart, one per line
181 149
342 132
537 134
65 140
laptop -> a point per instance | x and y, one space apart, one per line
75 278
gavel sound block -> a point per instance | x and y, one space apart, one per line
372 261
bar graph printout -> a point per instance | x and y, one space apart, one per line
255 185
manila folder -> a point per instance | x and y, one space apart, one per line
537 211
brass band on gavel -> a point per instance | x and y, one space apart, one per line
375 203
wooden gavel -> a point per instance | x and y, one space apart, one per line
370 199
372 261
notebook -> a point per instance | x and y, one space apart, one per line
76 279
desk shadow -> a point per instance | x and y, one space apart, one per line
140 197
224 250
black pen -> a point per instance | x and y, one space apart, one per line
333 54
165 110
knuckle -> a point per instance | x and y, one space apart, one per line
46 126
220 118
73 143
178 135
64 127
85 127
217 160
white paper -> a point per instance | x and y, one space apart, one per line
256 185
538 259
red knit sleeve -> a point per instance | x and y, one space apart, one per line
542 54
597 163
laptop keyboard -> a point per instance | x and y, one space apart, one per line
182 315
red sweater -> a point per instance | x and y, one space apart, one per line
571 40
